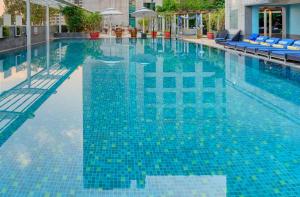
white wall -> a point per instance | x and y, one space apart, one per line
100 5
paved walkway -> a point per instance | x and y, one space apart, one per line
212 43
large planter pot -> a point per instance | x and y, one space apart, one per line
94 35
133 33
210 35
119 33
167 35
154 34
143 35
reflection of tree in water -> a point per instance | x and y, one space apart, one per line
93 48
75 54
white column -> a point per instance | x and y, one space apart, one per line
201 24
28 32
60 52
265 23
270 23
283 22
187 21
163 24
28 23
47 23
59 23
47 37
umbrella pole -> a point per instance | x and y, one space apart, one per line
110 28
143 24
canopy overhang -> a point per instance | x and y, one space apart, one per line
53 3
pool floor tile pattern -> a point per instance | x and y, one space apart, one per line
170 128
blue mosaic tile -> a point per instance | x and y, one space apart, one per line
100 121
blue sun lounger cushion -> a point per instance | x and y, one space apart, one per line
294 49
282 44
252 37
260 39
269 42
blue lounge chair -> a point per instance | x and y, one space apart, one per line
293 57
268 42
282 54
235 38
232 44
282 44
221 36
257 42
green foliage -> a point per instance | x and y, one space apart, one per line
6 32
167 6
75 18
38 12
14 7
190 5
217 20
93 22
146 22
219 3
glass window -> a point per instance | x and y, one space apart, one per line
234 19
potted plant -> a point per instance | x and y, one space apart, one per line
133 32
168 26
144 23
6 31
210 33
153 33
167 10
92 23
75 18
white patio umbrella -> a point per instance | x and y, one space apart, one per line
144 12
111 12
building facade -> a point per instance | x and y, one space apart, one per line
125 6
276 18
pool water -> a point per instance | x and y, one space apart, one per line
147 118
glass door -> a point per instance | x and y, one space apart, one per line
271 22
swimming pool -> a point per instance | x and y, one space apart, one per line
147 118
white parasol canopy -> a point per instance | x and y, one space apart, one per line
144 12
111 12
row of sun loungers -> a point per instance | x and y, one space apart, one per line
284 49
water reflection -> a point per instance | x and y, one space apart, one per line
131 133
169 118
35 79
180 116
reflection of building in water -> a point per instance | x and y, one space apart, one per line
180 90
148 122
13 66
267 82
18 103
106 122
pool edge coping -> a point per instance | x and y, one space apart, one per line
198 41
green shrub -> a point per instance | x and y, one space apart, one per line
93 22
75 18
6 31
146 22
